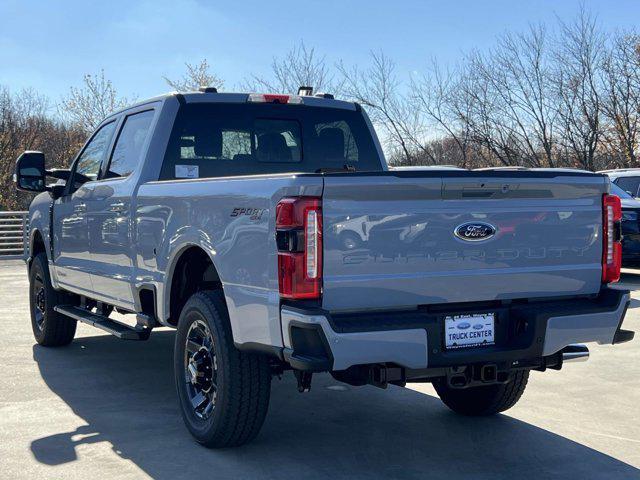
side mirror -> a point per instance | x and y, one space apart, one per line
30 172
31 175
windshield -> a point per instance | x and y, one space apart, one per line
616 190
222 139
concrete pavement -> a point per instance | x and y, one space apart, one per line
103 408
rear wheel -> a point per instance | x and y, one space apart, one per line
223 392
50 328
483 400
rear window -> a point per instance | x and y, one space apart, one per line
221 140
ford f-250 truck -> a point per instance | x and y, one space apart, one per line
232 218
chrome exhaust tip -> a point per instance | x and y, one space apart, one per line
575 353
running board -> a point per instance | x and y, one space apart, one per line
118 329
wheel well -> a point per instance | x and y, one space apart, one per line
194 271
37 245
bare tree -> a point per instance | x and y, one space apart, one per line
301 66
378 88
538 99
621 100
438 96
501 100
521 79
476 106
89 104
197 75
580 55
497 107
22 121
25 124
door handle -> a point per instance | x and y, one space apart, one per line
80 208
118 207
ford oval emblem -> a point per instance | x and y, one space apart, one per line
474 231
464 325
478 326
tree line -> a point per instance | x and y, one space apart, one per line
561 95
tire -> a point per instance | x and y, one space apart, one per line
223 392
483 400
50 328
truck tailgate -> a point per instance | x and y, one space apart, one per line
390 239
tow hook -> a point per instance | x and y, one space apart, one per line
304 380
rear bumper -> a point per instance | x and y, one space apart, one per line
316 340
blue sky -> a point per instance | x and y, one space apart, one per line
50 45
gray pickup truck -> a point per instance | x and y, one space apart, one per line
268 230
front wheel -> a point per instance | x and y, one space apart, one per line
50 328
485 399
223 392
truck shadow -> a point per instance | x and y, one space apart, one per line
124 392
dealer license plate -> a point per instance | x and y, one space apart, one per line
462 331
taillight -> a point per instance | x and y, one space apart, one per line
299 240
611 246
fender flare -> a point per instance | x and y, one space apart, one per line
164 299
30 244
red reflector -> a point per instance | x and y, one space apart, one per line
611 246
300 270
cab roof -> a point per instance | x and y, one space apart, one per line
319 100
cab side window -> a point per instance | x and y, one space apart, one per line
127 153
88 164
